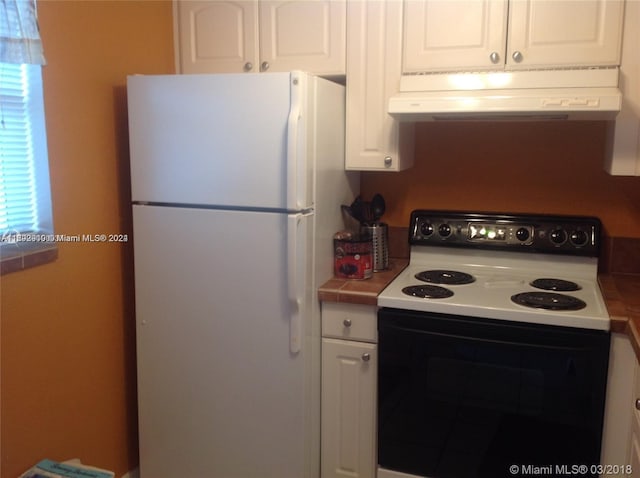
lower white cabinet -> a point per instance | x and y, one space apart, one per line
634 458
349 381
620 418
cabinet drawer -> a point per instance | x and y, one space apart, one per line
349 321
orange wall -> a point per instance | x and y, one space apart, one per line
68 365
511 167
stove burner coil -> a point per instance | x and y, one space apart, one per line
427 291
559 285
548 301
439 276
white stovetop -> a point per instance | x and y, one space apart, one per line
500 275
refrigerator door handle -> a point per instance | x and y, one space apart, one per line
295 143
295 281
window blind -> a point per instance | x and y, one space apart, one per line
18 194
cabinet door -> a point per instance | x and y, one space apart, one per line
348 409
634 458
374 48
217 36
623 157
303 35
460 35
565 33
618 413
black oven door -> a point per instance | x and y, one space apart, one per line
463 397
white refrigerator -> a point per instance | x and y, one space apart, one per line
237 182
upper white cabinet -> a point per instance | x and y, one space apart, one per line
218 36
375 141
571 33
468 35
445 35
623 156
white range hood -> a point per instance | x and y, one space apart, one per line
585 94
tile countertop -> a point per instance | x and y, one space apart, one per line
621 293
622 297
361 291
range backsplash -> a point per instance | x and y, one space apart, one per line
619 255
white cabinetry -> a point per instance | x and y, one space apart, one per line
634 459
446 36
349 380
618 416
624 148
441 35
564 33
218 36
375 141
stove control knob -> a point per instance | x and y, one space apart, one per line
579 238
522 234
444 230
558 236
426 228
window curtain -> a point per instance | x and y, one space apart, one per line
19 34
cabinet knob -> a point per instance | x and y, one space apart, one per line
248 66
264 66
494 57
517 56
366 357
637 403
346 322
388 161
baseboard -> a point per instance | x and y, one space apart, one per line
132 474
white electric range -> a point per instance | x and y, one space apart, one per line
493 348
537 269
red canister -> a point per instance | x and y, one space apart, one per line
352 257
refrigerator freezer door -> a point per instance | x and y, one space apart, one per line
220 393
217 139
